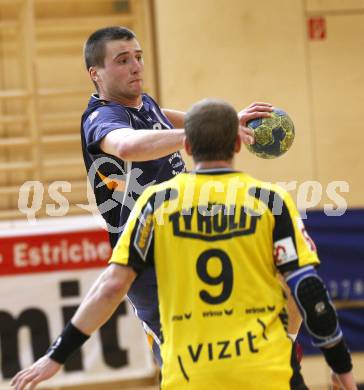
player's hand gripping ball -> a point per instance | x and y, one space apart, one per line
273 135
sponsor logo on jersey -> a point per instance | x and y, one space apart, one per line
214 222
177 163
284 251
93 116
309 242
218 313
144 233
180 317
222 349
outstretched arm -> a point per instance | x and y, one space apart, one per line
103 298
142 145
177 118
253 111
148 144
97 307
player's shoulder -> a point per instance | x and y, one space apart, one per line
148 99
99 107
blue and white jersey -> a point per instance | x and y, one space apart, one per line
117 184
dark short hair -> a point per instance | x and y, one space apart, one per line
211 128
94 49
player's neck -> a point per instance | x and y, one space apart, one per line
213 164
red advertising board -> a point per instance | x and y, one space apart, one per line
45 252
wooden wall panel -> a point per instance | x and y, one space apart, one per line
246 52
44 88
340 6
243 52
337 79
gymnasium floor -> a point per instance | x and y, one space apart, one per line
314 370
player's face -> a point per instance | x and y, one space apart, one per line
121 78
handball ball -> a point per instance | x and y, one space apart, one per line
273 135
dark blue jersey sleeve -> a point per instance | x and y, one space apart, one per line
102 121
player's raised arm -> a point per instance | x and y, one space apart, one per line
253 111
142 145
177 118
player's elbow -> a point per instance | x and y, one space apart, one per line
126 151
112 290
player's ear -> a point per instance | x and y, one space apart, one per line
93 73
187 146
237 144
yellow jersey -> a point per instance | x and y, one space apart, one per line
217 239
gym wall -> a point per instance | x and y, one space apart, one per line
302 56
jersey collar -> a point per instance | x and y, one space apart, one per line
213 171
143 104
